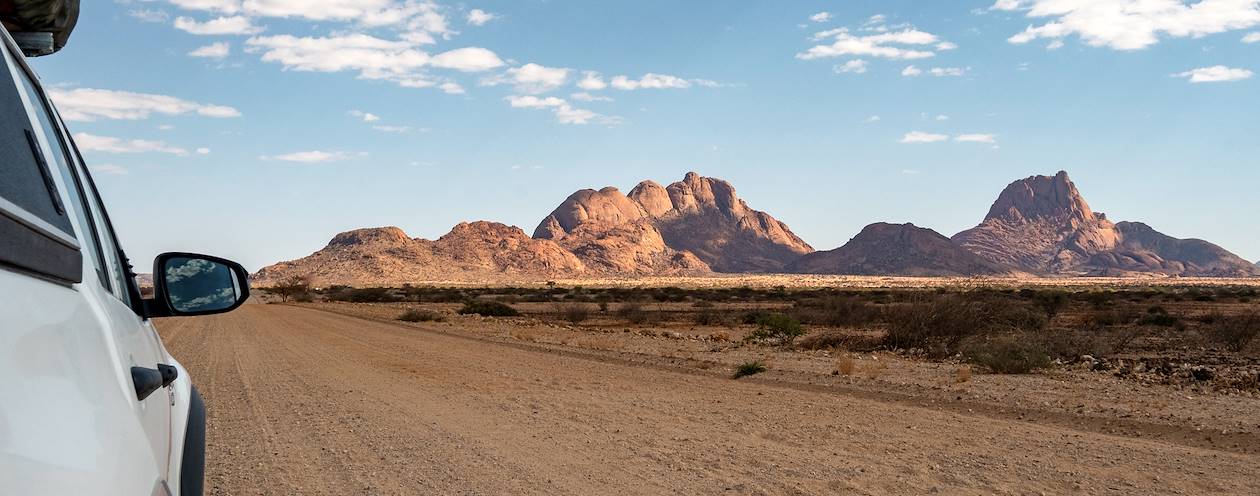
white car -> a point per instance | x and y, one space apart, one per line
90 400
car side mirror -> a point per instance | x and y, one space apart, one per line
187 284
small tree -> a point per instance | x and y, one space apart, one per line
292 286
779 328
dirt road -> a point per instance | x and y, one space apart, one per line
303 401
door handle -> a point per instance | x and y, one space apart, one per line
169 373
146 381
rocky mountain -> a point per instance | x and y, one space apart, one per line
700 223
897 250
1043 225
387 256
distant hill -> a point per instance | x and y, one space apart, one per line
1040 225
897 250
698 219
1043 225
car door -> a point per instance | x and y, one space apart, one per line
71 421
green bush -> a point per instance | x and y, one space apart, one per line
1008 355
487 308
749 368
778 328
421 315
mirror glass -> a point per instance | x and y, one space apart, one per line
198 285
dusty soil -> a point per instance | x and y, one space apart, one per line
339 399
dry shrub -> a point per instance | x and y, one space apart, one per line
963 374
875 369
524 335
720 336
940 325
711 317
636 314
1008 355
486 308
573 312
421 315
1234 332
846 366
836 311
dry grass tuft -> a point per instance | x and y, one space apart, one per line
525 335
846 366
876 369
720 336
963 374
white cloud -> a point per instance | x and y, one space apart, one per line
1215 74
1130 24
587 97
94 143
1252 37
946 46
88 104
392 129
565 113
202 151
591 81
654 81
311 157
821 17
150 15
531 78
922 137
111 169
371 57
873 118
217 26
1054 45
214 50
478 17
907 44
366 116
224 6
976 138
857 66
452 88
947 71
470 59
530 101
942 117
911 71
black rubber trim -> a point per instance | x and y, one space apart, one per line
192 473
32 251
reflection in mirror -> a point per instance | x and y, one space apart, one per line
199 285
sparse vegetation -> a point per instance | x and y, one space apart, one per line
846 366
487 308
1008 355
421 315
574 312
1235 332
777 328
749 368
292 287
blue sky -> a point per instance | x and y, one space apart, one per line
256 130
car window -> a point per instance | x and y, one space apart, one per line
35 230
114 261
58 159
